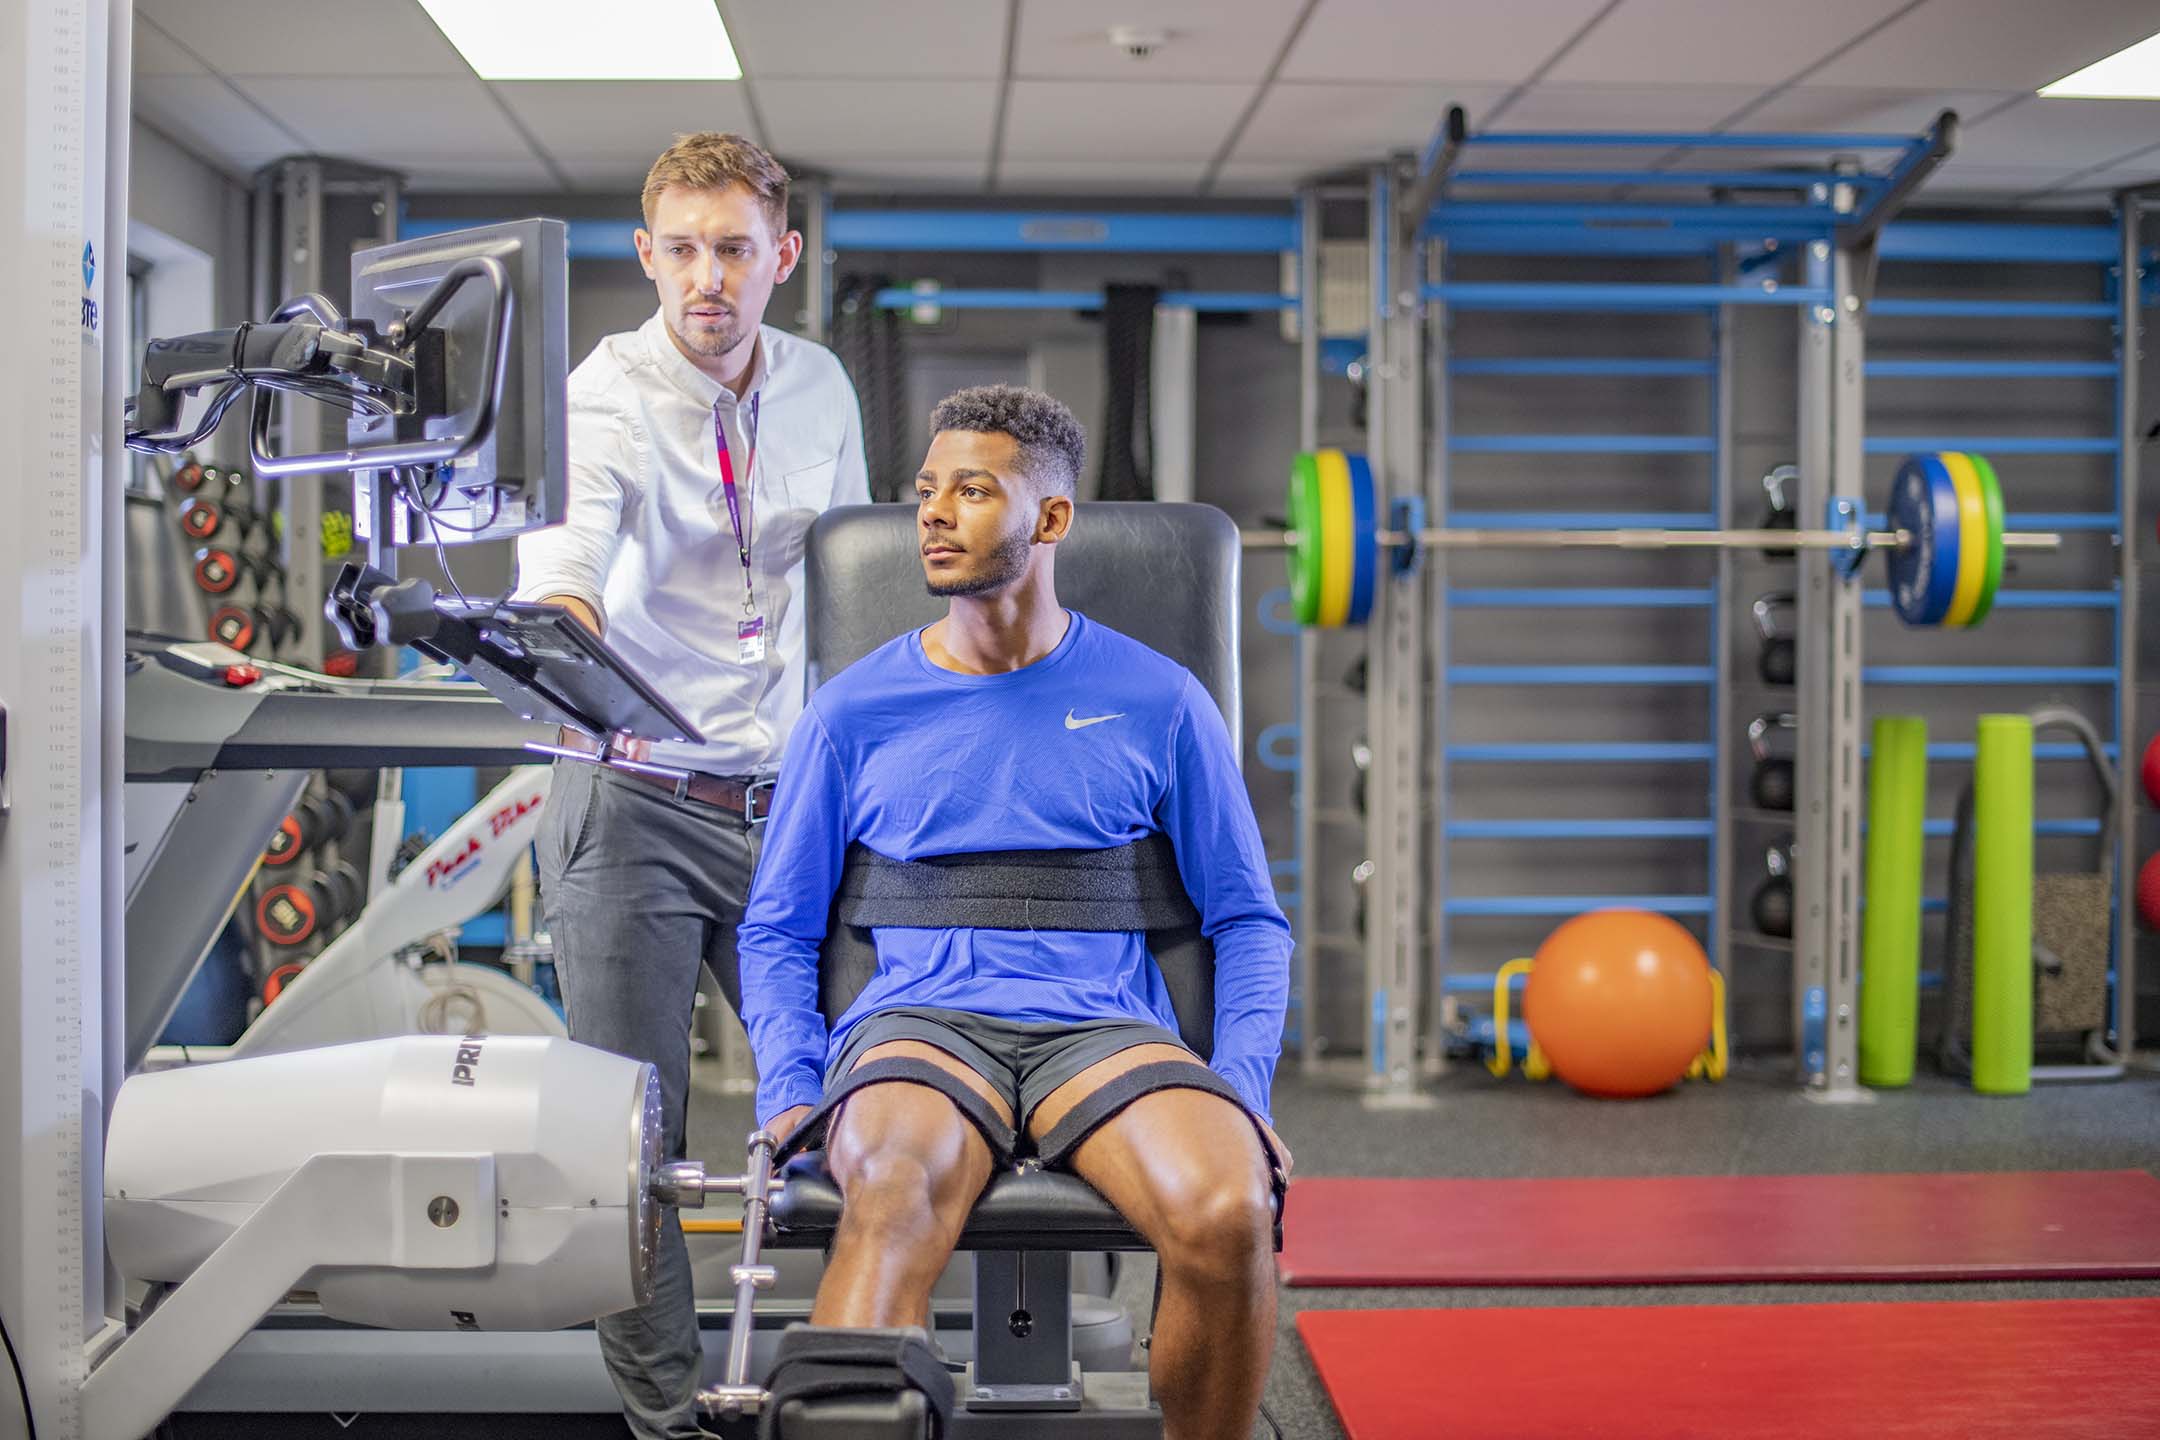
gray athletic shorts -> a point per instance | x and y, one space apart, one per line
1025 1063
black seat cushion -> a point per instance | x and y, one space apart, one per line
1023 1208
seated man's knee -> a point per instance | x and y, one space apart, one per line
1217 1226
906 1159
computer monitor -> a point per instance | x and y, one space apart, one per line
517 480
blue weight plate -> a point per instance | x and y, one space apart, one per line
1923 573
1366 546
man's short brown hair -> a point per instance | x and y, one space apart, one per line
710 160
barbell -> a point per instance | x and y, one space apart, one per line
1945 542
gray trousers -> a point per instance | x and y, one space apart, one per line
639 890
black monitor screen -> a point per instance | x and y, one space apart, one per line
518 479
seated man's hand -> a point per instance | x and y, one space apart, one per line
1282 1151
783 1124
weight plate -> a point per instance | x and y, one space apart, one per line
233 627
216 571
188 478
1972 537
200 517
1338 535
1997 520
1923 571
1365 545
286 914
1304 557
285 845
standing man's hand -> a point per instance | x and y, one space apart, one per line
783 1124
1282 1151
581 612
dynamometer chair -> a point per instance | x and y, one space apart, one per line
1166 575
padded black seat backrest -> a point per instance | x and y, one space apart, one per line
1166 575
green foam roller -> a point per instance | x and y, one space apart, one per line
1890 930
2002 976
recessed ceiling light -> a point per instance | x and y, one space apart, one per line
581 40
2132 74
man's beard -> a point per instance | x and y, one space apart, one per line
1004 564
710 342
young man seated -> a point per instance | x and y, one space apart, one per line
1016 725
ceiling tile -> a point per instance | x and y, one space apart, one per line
155 54
1352 124
1621 107
1102 177
622 119
1056 120
1687 41
212 121
867 39
1994 44
310 37
1475 41
374 118
834 122
621 177
2071 133
919 177
1965 181
1070 39
475 175
1250 177
1906 110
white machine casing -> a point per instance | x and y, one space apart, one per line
575 1133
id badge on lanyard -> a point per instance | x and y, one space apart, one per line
750 629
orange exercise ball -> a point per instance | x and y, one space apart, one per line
1619 1001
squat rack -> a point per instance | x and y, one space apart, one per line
1419 211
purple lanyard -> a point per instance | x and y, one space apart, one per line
727 484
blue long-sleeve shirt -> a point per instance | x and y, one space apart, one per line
1097 744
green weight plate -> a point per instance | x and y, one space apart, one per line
1992 500
1305 556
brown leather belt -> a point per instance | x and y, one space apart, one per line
749 799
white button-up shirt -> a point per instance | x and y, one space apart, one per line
648 544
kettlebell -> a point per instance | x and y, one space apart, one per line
1773 903
1773 784
1779 660
1781 486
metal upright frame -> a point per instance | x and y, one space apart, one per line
2134 291
1305 776
1836 219
2114 253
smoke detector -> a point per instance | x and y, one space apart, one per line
1138 41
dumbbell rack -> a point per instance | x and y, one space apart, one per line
1833 226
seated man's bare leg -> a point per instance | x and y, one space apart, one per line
1186 1170
909 1168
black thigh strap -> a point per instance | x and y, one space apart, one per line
972 1106
1091 1114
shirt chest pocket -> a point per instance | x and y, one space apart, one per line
809 487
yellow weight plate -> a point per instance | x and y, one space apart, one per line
1338 537
1972 538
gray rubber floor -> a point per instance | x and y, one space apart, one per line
1756 1122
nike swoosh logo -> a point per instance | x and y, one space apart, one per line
1073 724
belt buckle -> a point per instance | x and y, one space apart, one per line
751 819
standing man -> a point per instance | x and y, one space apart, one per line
702 446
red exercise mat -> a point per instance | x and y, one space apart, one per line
1959 1370
1722 1228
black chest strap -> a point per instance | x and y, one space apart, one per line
1133 888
